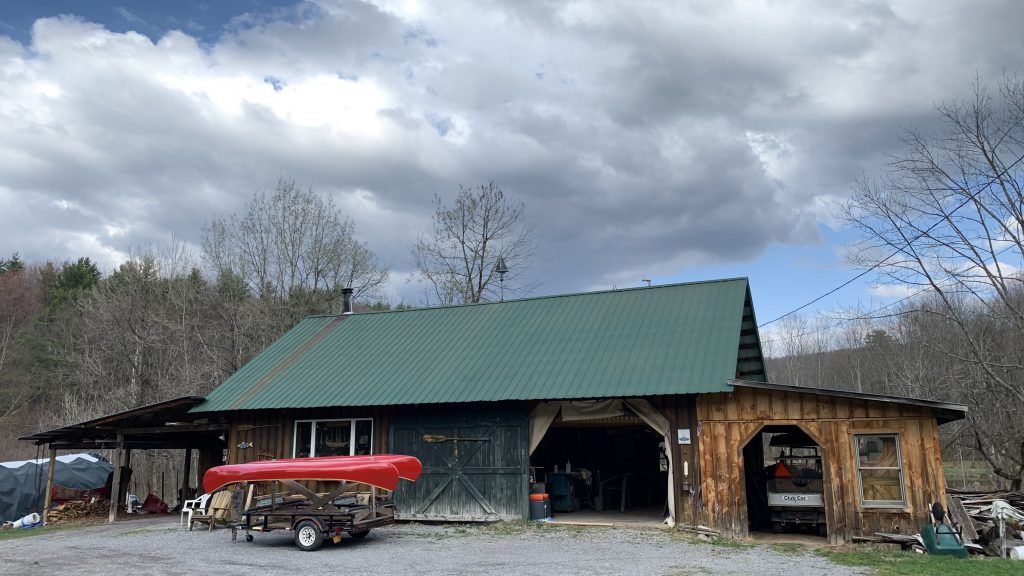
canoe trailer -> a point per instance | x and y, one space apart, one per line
277 497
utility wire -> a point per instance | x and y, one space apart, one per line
969 198
866 315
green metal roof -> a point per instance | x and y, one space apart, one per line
672 339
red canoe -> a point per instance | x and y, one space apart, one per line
409 467
375 473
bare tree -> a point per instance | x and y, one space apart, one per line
947 217
293 242
456 258
19 302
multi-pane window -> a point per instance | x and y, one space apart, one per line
333 437
879 470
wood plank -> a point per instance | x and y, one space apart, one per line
832 521
717 406
932 458
959 515
763 404
826 407
731 402
844 410
51 466
746 399
858 409
794 409
844 474
911 453
809 406
703 413
875 409
722 487
706 449
115 483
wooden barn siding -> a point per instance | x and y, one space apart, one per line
729 420
273 429
680 410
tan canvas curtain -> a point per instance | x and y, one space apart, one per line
541 418
544 414
659 423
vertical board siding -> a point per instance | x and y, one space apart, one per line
271 430
468 480
727 421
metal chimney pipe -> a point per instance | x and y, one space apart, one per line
346 300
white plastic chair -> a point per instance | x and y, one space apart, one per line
194 506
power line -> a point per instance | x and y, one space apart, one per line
969 198
867 315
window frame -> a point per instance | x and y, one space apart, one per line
879 504
312 434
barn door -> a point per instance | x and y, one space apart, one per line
475 464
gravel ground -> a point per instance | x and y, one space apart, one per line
159 546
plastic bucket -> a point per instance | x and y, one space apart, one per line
1017 552
28 521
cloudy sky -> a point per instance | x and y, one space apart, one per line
668 140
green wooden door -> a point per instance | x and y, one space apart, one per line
475 464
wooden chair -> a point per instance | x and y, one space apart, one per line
217 511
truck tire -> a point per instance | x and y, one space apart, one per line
308 536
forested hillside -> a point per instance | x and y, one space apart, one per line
912 350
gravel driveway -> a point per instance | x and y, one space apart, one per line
159 546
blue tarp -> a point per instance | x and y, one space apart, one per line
23 483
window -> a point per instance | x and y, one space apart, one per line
333 437
879 470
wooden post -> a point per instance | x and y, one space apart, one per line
115 484
49 483
127 488
185 478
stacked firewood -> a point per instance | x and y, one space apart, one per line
75 510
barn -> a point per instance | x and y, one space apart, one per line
644 405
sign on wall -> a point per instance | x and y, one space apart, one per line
683 435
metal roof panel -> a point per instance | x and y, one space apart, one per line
672 339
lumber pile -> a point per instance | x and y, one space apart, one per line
984 529
76 510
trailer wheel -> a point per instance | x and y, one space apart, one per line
308 536
359 534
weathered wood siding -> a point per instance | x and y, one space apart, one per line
482 476
729 420
271 431
681 413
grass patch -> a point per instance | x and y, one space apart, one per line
971 474
514 527
728 543
889 562
788 548
719 541
15 533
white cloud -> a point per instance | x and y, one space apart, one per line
644 137
892 290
